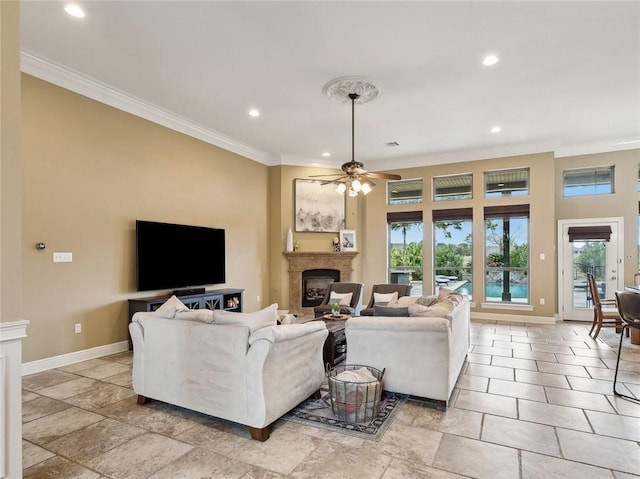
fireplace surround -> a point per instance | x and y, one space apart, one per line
314 260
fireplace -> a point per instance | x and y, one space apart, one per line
300 262
315 283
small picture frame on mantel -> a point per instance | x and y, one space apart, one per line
347 240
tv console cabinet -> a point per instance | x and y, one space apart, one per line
228 299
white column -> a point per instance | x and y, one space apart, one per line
11 334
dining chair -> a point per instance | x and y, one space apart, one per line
629 308
605 311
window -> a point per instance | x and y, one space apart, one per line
452 249
507 253
506 183
457 187
588 181
404 191
405 249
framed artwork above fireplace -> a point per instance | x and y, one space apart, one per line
318 207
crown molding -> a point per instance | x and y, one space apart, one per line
473 154
71 80
607 146
91 88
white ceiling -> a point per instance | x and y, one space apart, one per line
568 79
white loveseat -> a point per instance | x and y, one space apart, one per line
423 356
247 375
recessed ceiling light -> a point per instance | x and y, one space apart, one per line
490 60
254 113
74 10
496 129
326 154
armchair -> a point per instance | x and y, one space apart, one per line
355 304
401 289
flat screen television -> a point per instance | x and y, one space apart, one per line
172 256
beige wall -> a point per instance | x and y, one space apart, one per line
89 172
541 227
10 168
622 203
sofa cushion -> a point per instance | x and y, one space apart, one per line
439 310
170 307
427 300
384 299
343 299
202 315
254 321
392 311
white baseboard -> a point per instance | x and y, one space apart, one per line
513 318
75 357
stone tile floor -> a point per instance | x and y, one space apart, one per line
533 401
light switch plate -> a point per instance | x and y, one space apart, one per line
62 257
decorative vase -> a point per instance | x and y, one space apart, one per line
289 240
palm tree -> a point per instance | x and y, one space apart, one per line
404 227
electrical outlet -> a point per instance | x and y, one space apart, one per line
78 328
542 301
258 298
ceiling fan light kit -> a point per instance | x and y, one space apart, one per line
354 179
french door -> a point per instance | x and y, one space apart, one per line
588 246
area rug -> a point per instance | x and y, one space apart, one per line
318 413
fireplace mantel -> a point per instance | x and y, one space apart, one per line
301 261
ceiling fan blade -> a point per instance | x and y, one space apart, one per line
335 180
384 176
330 174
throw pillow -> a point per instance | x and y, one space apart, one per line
427 300
170 307
449 295
384 299
392 311
343 299
254 321
403 302
202 315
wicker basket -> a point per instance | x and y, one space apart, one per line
355 401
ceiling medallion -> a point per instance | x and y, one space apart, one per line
340 88
354 177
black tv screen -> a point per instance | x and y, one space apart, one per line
178 256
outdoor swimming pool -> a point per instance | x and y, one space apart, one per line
494 290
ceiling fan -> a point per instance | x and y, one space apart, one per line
354 177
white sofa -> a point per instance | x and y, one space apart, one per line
226 370
423 356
